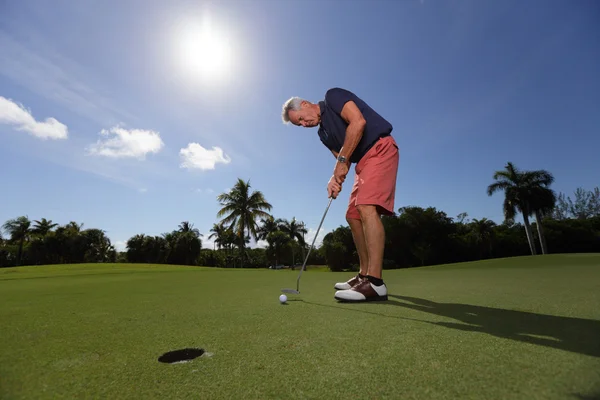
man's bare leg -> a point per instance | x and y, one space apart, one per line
358 235
374 236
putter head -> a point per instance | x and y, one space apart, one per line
291 291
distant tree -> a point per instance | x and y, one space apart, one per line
229 240
136 253
217 233
71 242
156 249
428 234
339 249
542 201
73 227
98 247
561 208
187 227
19 230
296 231
184 246
277 241
462 218
43 227
268 225
483 233
241 209
521 189
586 205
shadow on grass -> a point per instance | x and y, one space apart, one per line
576 335
361 311
588 397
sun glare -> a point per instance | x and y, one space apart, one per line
204 52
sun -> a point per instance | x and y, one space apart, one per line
203 51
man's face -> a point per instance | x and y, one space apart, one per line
307 116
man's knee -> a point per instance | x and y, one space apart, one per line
367 211
353 219
352 213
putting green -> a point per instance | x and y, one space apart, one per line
520 328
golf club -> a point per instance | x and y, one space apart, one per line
297 291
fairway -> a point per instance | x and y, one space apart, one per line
520 328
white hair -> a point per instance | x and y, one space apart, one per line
291 104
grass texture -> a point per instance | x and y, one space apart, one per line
519 328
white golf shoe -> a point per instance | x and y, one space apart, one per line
349 284
364 291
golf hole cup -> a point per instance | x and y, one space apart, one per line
282 298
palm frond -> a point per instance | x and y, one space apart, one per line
510 209
498 186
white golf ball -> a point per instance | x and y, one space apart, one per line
283 298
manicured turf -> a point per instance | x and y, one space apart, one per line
522 328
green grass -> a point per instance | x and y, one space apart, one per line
521 328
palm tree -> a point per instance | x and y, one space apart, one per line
295 230
43 227
520 191
135 248
512 183
241 210
277 241
218 232
73 228
268 224
19 230
186 227
99 246
543 201
483 232
228 240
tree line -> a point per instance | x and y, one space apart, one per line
415 236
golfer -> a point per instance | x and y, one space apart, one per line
356 134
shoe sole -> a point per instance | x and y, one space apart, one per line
368 299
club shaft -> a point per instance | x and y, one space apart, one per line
312 245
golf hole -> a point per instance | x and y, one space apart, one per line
180 356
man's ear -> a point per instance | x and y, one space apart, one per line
305 103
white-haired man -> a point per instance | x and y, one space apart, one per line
355 133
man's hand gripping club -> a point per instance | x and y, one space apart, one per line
334 186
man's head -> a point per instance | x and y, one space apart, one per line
301 112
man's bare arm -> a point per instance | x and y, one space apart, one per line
356 125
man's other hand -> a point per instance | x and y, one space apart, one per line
333 188
340 172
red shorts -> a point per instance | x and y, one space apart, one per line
375 179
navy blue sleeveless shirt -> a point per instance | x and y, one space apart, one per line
332 129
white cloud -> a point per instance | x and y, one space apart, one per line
15 114
310 235
134 143
194 156
120 245
263 244
208 243
208 190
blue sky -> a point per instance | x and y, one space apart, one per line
98 99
